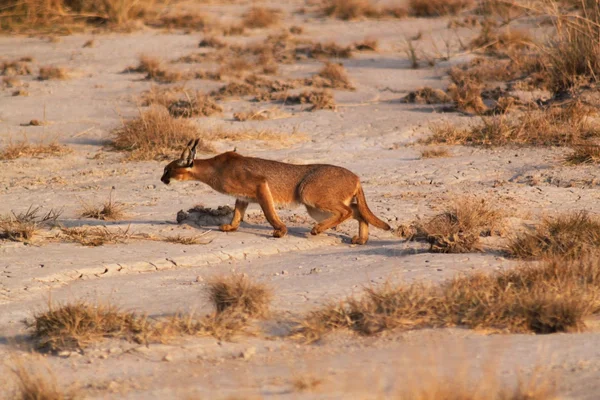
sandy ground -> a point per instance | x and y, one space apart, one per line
372 133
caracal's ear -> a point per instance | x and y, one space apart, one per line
193 152
185 155
235 149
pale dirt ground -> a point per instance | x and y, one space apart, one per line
372 133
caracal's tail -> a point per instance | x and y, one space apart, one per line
366 213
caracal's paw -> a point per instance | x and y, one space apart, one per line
358 240
228 228
278 233
315 231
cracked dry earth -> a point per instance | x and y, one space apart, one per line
372 133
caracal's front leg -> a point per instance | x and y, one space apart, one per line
265 199
238 216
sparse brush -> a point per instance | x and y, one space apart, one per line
97 235
238 293
305 383
354 9
319 100
570 236
551 297
37 383
188 21
76 325
434 8
15 67
367 45
427 95
499 43
260 115
155 134
109 211
260 17
223 326
332 76
24 226
457 230
198 104
14 150
435 153
467 96
211 41
584 153
328 50
187 240
53 73
155 70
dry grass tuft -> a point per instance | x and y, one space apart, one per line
97 235
237 293
109 211
76 325
584 153
305 383
435 8
552 126
328 50
355 9
24 226
259 115
458 229
187 240
155 70
332 76
155 134
187 21
366 45
198 104
319 100
14 150
569 236
15 67
211 41
493 42
435 153
260 17
36 383
54 73
466 95
427 95
551 297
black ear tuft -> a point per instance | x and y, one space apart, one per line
190 143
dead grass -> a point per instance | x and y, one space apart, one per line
435 153
37 383
319 100
427 95
187 21
261 17
53 73
584 153
24 226
187 240
212 41
435 8
355 9
366 45
259 115
553 126
569 236
493 42
332 76
554 296
466 95
109 211
306 383
14 67
328 50
458 229
13 150
156 71
97 235
155 134
238 293
195 105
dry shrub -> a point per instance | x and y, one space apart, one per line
187 240
332 76
466 95
584 153
255 85
354 9
97 235
427 95
435 153
11 82
551 297
187 21
109 211
161 95
155 70
76 325
366 45
570 236
37 383
260 115
319 100
211 41
24 226
223 326
54 73
458 229
20 92
238 293
328 50
553 126
236 89
155 134
260 17
199 104
434 8
15 67
493 42
14 150
305 383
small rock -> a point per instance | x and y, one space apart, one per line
113 386
248 353
168 357
103 356
64 354
199 279
113 350
284 272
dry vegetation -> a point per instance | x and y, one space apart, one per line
37 383
332 76
155 134
355 9
74 326
319 100
260 115
24 226
588 153
53 73
458 229
434 8
195 105
427 95
15 67
260 17
570 236
554 296
108 211
435 153
13 150
156 71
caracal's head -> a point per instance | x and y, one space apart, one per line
179 170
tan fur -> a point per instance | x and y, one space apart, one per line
331 194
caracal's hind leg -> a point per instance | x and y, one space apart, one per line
265 199
238 216
318 215
363 227
341 212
